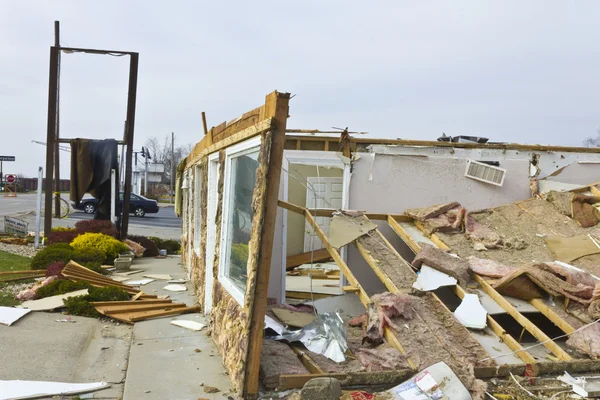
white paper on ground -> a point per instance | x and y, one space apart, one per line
471 313
186 323
34 389
139 282
130 272
9 315
175 288
431 279
52 302
164 277
452 387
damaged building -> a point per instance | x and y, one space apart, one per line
369 260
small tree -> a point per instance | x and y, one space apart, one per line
593 141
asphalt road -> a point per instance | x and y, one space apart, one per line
164 218
23 203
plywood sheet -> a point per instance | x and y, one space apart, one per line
52 302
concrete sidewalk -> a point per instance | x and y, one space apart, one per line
166 361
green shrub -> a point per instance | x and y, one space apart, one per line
108 245
52 253
61 286
147 243
172 246
81 305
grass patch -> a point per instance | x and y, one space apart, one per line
6 297
13 262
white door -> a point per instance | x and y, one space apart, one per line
321 193
211 230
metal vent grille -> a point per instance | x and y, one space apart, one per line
485 173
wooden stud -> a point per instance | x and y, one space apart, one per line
292 294
27 272
326 146
137 296
276 106
122 309
522 320
298 144
127 302
353 379
327 212
460 292
549 313
595 191
374 264
308 362
350 289
182 310
305 258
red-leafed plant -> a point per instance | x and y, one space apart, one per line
55 269
96 226
62 236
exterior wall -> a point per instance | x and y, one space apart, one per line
577 174
391 184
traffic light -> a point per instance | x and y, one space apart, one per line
143 152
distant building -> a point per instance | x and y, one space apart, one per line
155 174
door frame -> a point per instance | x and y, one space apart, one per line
314 158
313 180
213 170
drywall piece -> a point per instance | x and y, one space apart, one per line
119 278
165 277
344 229
302 283
431 279
293 318
130 272
34 389
178 281
52 302
471 313
9 315
175 288
545 186
188 324
139 282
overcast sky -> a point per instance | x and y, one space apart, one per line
521 71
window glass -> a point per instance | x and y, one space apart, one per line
239 217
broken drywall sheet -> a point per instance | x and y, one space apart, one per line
435 382
344 229
431 279
9 315
52 302
187 324
164 277
139 282
471 313
293 318
175 288
35 389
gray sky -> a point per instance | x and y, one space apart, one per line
518 71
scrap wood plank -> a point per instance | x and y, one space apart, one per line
308 362
362 294
156 314
542 368
120 309
352 379
128 302
306 258
460 292
25 272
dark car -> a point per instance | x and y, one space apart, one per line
138 205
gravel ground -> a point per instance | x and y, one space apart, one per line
27 251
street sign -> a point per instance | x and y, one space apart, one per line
11 178
7 158
16 226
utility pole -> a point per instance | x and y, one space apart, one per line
172 165
146 173
56 155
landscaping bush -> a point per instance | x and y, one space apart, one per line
172 246
55 268
65 235
52 253
61 286
96 226
108 245
81 305
147 243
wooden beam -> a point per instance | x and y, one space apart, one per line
308 362
349 380
247 133
27 272
400 231
374 264
126 302
277 107
595 191
305 258
122 309
177 311
549 313
460 293
292 294
522 320
323 212
350 289
204 123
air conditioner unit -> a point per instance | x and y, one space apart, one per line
485 173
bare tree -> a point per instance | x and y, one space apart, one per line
161 153
593 141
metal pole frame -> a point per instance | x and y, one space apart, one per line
50 137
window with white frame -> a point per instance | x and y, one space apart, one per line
197 208
241 165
